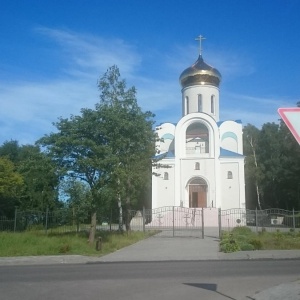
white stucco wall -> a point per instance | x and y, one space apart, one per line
165 131
232 193
231 136
206 91
163 189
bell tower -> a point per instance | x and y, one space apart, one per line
200 87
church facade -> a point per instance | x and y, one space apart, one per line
200 160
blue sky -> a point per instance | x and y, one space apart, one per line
52 53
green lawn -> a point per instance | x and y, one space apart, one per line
38 243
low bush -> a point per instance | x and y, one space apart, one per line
229 245
241 230
242 238
256 243
247 247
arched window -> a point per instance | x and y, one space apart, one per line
197 166
166 176
197 139
212 104
229 175
187 103
200 103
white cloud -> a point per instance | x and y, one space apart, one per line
28 108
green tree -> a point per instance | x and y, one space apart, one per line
80 150
40 189
109 147
11 149
290 169
79 200
41 180
270 158
130 137
254 170
11 183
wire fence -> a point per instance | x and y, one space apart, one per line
58 221
169 221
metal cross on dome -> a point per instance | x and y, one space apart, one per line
200 38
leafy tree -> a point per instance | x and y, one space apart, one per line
80 150
270 158
109 147
272 169
40 189
130 137
41 180
290 170
254 170
11 183
79 200
11 150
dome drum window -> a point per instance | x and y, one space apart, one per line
200 109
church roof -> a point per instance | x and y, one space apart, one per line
200 73
228 153
236 121
169 154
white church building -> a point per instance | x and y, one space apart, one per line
200 159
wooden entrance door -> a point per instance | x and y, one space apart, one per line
197 195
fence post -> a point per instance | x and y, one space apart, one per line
144 219
46 224
173 223
202 222
15 221
294 223
220 222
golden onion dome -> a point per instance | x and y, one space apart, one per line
200 73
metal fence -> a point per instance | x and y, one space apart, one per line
58 221
269 219
168 221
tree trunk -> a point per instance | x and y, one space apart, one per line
256 168
127 216
127 203
93 228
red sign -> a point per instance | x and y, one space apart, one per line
291 117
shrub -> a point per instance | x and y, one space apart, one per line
243 230
64 248
229 244
241 239
257 244
247 247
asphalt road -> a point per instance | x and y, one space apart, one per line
146 280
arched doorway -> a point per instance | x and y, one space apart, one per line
197 139
197 193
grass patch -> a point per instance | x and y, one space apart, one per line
34 243
242 238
